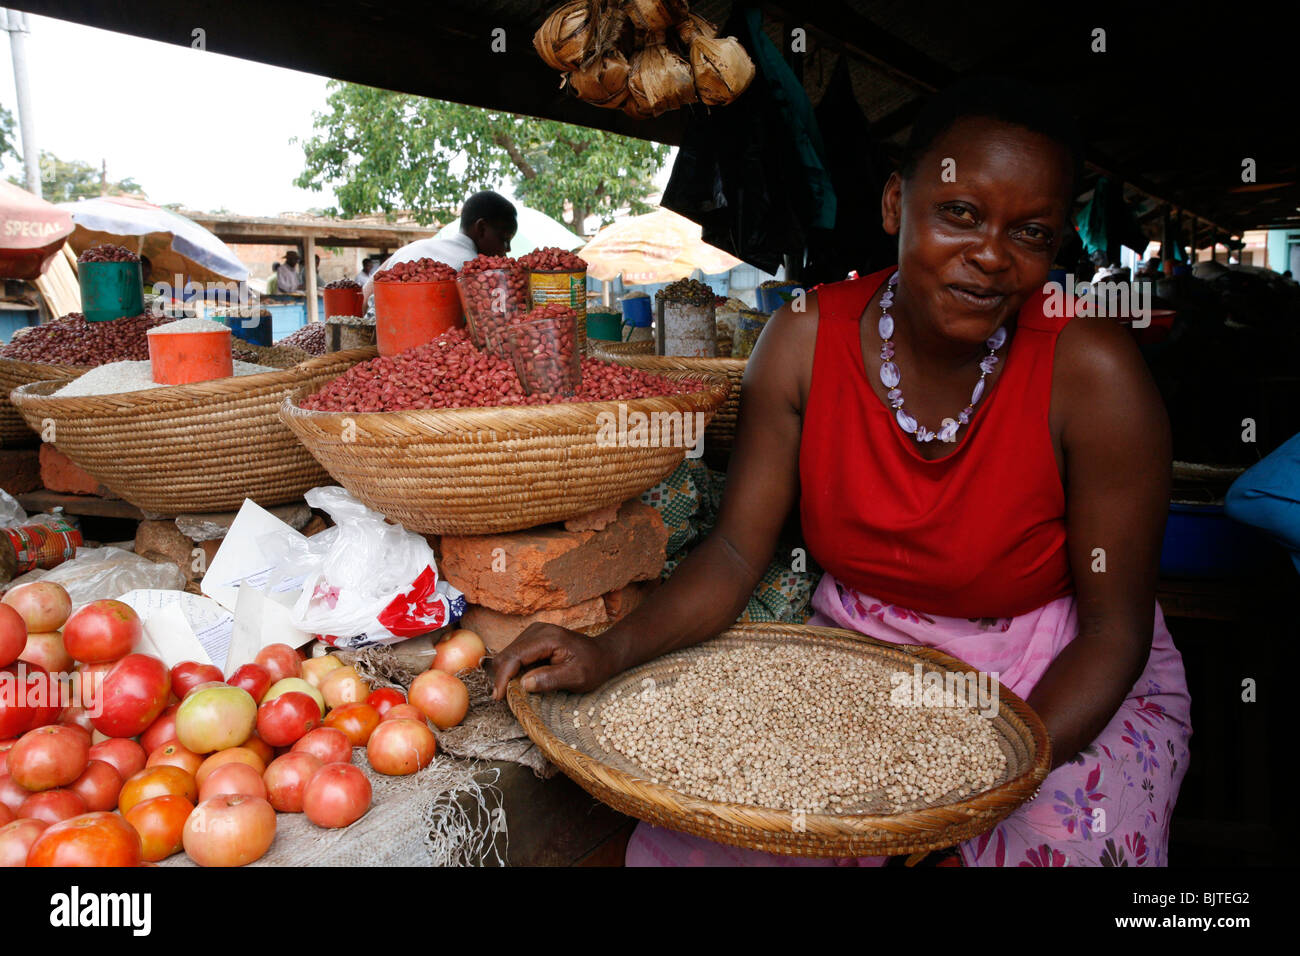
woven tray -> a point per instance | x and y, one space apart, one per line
183 449
615 780
721 433
13 373
488 470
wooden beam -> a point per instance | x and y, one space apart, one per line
309 273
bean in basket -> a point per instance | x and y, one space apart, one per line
417 270
311 338
450 373
350 284
117 377
108 253
796 728
71 340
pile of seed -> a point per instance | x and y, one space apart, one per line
105 252
796 728
188 326
349 284
117 377
310 338
71 340
688 291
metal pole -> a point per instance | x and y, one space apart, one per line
15 21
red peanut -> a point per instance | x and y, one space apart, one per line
417 270
105 252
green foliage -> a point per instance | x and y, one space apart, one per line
383 151
67 181
7 147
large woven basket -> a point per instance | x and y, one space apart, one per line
610 777
721 433
13 373
183 449
488 470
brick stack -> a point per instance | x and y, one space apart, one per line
587 574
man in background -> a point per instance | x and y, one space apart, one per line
288 277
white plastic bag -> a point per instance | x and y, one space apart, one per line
365 581
96 573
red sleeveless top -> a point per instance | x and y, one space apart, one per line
977 533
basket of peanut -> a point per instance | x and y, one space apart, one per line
447 439
804 741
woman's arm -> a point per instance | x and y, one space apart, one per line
1114 438
709 589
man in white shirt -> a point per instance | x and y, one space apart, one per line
487 224
287 276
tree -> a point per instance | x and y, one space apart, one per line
7 147
74 179
382 151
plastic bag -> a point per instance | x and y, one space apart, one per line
12 514
96 573
365 581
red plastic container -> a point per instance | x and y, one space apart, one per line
408 314
344 302
182 358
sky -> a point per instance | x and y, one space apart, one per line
208 136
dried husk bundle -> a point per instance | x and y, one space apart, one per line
566 39
652 16
602 80
722 69
695 26
660 81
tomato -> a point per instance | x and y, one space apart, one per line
12 793
254 678
188 675
77 716
327 744
230 755
162 730
49 757
13 635
52 806
462 650
215 718
287 777
442 698
102 631
29 698
358 721
92 839
233 778
260 747
286 718
134 694
336 796
160 821
343 686
315 669
174 754
405 712
157 782
98 786
43 605
48 651
229 830
385 698
292 684
16 839
400 747
6 815
280 661
126 756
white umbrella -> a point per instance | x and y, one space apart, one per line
536 230
173 243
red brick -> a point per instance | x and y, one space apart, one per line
592 520
498 630
20 470
162 541
58 473
552 568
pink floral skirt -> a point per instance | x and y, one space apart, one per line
1109 805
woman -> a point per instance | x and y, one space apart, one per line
974 474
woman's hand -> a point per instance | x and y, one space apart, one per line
570 660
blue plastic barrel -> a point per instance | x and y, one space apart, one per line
636 312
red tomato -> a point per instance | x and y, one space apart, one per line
326 744
92 839
287 718
47 650
233 778
102 631
157 782
384 698
230 755
12 793
188 675
76 716
400 747
442 698
160 821
336 796
254 678
405 712
462 650
13 635
29 698
358 721
52 806
16 839
280 661
98 786
134 694
43 605
6 815
173 754
229 830
49 757
287 777
126 756
162 730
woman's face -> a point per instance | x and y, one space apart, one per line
978 223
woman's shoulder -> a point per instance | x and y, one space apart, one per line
847 297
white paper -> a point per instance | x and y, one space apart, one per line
240 558
179 626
